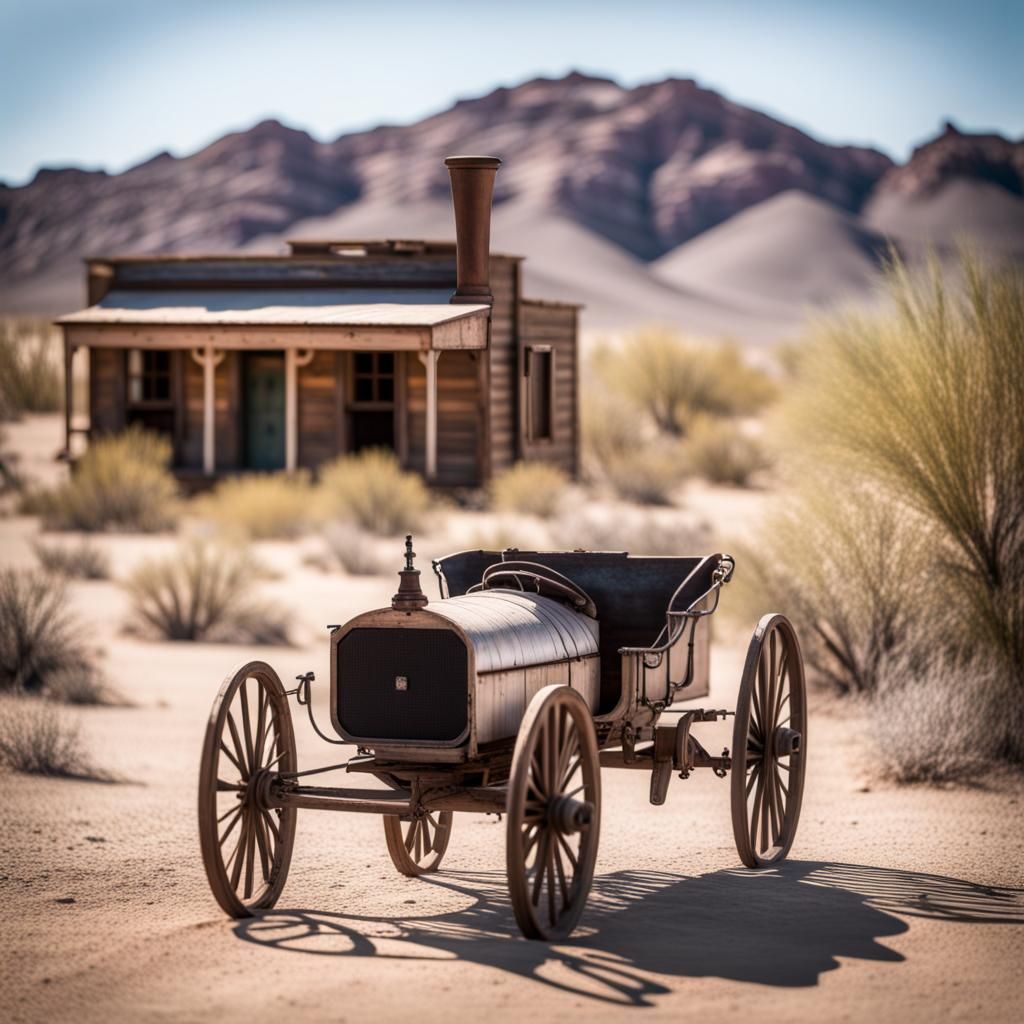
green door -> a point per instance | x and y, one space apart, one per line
264 410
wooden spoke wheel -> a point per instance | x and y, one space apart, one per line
417 845
247 846
769 744
554 814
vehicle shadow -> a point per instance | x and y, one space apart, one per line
780 927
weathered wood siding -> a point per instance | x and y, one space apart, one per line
502 368
227 414
543 323
106 390
321 408
459 417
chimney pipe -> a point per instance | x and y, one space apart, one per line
472 189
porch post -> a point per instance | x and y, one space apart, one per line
429 360
292 361
69 357
209 360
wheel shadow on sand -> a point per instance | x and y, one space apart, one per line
779 927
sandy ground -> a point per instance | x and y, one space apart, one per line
896 904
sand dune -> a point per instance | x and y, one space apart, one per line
976 212
794 250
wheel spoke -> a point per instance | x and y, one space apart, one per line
756 810
765 799
247 727
564 843
261 841
783 667
231 825
754 775
228 787
243 764
560 871
552 916
542 862
262 727
239 854
769 708
234 760
250 854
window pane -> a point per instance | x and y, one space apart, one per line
134 389
364 389
160 388
364 362
385 362
539 395
156 362
386 389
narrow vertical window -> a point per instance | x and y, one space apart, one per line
540 392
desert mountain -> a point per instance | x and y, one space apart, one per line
605 189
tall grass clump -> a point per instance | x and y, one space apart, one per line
38 738
259 506
530 488
371 490
31 375
43 649
203 592
918 415
671 380
648 475
721 452
84 561
354 551
120 483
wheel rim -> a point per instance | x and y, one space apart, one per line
554 811
417 845
246 845
769 745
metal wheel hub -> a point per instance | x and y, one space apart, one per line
786 742
569 816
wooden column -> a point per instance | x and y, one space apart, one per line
293 359
69 357
209 360
429 360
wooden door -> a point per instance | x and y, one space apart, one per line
264 410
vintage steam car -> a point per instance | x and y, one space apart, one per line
509 694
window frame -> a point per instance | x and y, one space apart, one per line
375 376
144 375
529 352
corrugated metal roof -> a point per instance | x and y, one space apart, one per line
363 307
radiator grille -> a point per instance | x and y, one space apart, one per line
402 684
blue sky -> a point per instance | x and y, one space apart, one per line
107 83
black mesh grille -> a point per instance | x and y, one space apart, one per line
371 701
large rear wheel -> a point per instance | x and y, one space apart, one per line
247 846
769 744
554 814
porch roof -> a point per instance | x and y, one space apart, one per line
415 319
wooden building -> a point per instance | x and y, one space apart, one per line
285 362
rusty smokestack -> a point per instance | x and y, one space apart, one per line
472 190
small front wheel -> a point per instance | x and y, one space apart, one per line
769 744
554 814
247 846
417 845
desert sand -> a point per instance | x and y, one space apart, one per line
899 904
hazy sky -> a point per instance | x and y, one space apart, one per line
108 83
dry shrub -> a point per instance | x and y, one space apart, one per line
938 719
530 488
31 375
643 534
371 490
721 452
649 474
849 574
355 551
203 592
38 738
610 428
84 561
120 483
42 644
671 380
259 506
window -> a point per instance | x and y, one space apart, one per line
540 392
149 377
374 377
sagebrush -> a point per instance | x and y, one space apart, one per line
259 506
84 561
31 372
121 483
530 488
38 738
723 453
372 490
203 592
